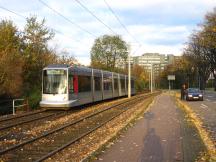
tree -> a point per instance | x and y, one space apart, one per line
11 62
36 53
182 69
65 58
108 51
208 35
141 77
201 49
197 55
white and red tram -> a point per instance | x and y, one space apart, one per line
66 86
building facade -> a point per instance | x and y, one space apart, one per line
155 60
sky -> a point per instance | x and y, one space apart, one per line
161 26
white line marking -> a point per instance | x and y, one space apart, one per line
204 105
207 100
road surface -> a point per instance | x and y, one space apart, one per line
206 110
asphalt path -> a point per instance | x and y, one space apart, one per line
206 110
154 138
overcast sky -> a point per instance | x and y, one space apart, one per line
161 26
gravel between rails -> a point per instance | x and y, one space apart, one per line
22 133
25 119
57 137
11 117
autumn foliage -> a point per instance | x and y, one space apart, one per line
23 55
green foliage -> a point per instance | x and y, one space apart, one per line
36 37
108 52
34 97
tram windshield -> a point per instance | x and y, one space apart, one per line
55 81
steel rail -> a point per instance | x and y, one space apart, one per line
28 121
14 147
77 139
22 115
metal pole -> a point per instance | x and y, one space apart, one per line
151 76
13 108
169 85
129 76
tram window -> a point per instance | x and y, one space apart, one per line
107 83
97 81
84 83
116 84
126 83
55 81
70 84
122 84
132 83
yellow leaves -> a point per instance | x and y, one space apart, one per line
209 143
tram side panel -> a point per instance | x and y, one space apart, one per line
73 88
107 85
97 84
119 85
115 85
84 89
122 83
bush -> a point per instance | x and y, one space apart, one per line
34 98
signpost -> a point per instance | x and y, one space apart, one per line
169 78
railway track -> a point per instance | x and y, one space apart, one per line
11 117
49 143
26 118
16 129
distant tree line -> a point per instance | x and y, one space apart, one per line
23 55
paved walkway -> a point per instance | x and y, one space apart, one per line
154 138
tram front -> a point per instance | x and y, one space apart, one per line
55 87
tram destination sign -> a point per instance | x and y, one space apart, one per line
171 77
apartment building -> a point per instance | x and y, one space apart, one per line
155 60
